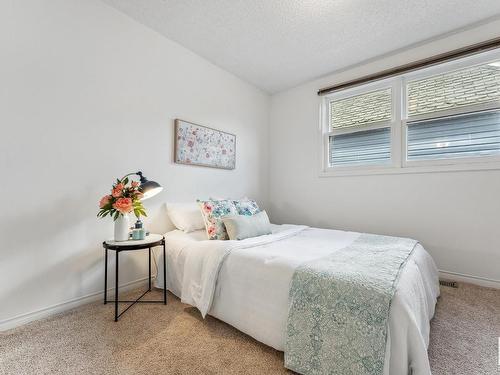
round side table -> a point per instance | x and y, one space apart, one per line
149 242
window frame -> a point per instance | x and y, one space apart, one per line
399 125
391 124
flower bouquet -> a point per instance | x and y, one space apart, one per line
125 198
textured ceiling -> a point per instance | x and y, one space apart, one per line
277 44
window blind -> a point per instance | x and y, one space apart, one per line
363 147
473 134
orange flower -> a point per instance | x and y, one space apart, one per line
117 190
104 201
124 205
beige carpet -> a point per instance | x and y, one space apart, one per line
173 339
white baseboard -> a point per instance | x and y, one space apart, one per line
63 306
476 280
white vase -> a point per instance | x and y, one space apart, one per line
122 226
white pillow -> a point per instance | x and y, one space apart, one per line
186 216
239 227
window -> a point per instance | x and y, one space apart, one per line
454 90
453 114
361 109
442 116
360 129
474 134
362 147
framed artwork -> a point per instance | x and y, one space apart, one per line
203 146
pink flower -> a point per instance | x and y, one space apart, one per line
207 207
211 231
104 201
117 190
124 205
134 184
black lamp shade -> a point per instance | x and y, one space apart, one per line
149 188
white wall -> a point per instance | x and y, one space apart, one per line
88 95
455 215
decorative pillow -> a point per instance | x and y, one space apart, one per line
240 227
186 216
213 211
246 207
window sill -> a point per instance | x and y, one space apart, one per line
388 170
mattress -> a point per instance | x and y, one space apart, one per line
253 283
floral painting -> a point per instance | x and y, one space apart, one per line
199 145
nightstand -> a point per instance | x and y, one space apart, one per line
149 242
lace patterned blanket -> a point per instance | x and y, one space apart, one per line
339 307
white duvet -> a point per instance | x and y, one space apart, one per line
246 284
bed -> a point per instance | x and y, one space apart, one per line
247 283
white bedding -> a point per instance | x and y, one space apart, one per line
252 286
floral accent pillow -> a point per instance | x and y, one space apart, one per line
213 211
247 207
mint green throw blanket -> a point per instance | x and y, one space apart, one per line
339 307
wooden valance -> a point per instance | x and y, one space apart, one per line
434 60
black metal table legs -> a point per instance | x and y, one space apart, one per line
106 276
117 301
164 275
116 287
